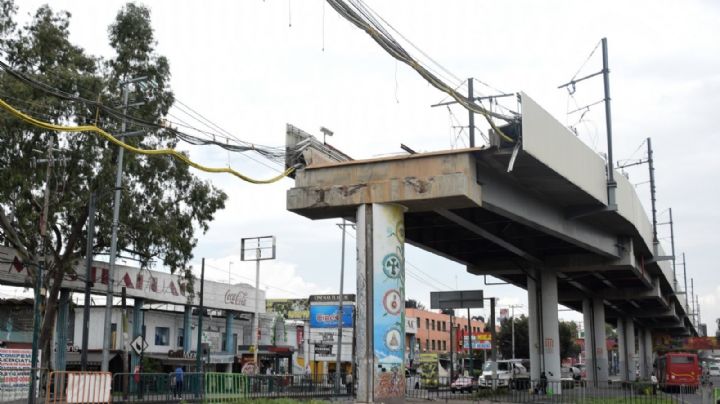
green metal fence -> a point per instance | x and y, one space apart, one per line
225 387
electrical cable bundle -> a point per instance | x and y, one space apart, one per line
275 154
362 18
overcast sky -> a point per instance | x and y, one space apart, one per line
253 66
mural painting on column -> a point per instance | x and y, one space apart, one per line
389 302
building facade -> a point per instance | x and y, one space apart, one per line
432 332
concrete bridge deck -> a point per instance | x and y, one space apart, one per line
534 212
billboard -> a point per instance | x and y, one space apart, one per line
141 283
290 309
480 341
326 316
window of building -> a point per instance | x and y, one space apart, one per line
427 344
465 328
181 338
162 336
444 345
433 325
427 323
433 345
418 322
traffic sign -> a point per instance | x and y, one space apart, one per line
139 345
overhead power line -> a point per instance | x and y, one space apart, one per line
363 19
153 152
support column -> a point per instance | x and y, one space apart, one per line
590 357
187 329
641 354
61 325
550 328
381 296
631 352
136 331
533 329
229 344
649 352
601 354
622 350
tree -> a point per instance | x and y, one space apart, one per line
414 304
522 347
568 336
448 312
163 203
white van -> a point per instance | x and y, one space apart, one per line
714 369
508 371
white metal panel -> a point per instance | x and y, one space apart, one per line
557 147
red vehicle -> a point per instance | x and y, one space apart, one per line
679 369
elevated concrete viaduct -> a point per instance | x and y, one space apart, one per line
532 213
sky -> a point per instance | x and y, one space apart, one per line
252 66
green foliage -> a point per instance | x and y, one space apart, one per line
521 338
568 335
163 203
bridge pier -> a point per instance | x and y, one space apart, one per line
380 333
595 345
622 350
645 352
543 327
648 351
631 351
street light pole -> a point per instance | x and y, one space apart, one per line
340 312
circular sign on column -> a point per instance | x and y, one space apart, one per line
391 265
393 339
393 302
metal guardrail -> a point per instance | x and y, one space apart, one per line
78 387
565 391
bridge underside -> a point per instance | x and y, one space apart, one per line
465 206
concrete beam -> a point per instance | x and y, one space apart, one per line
511 200
420 182
454 217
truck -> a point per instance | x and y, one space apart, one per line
509 373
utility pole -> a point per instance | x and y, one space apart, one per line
471 114
512 326
687 304
470 347
88 266
198 353
651 168
611 184
115 223
338 359
493 333
672 248
692 299
246 246
38 281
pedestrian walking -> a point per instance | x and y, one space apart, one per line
179 373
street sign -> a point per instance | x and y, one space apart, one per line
323 349
457 299
139 345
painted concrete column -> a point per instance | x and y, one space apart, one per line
550 328
187 329
533 329
631 352
622 350
589 321
601 353
61 324
641 354
381 295
649 352
229 343
136 331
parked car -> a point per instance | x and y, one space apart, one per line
714 369
463 383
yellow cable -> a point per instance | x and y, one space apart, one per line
112 139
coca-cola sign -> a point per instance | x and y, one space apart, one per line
236 297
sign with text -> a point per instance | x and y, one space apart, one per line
331 298
327 316
480 341
141 283
15 373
